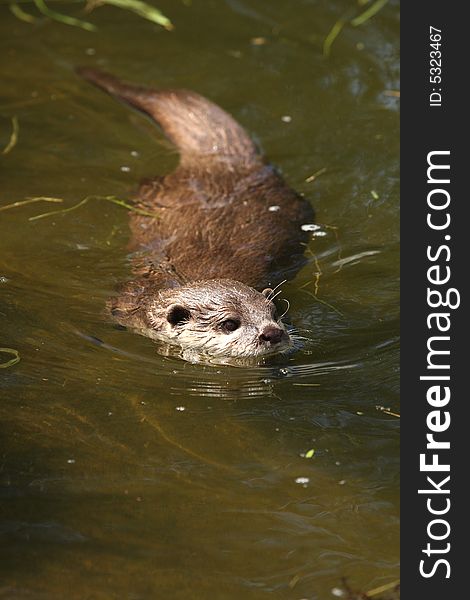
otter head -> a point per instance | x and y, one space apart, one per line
219 318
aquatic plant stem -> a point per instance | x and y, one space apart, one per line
14 135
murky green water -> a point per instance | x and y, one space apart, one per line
126 474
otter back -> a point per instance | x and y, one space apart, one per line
223 213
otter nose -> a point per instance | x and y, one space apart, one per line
272 334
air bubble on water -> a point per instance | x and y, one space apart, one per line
310 227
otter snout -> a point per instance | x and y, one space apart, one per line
275 335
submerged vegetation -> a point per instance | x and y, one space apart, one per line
350 17
111 199
15 128
147 11
12 361
140 8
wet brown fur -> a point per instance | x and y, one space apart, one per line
214 211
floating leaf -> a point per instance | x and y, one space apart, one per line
310 453
139 8
66 19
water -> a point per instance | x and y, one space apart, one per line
126 474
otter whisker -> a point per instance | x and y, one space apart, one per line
299 337
287 309
276 295
270 296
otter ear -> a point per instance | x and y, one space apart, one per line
267 292
177 314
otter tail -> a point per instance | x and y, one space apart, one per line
195 125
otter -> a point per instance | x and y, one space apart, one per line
227 230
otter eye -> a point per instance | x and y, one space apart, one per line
230 325
275 314
177 315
